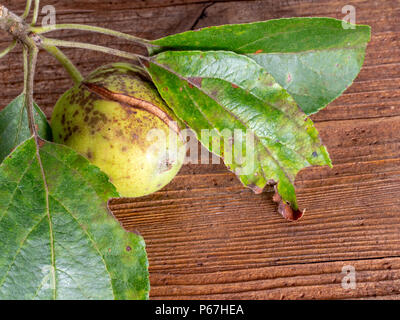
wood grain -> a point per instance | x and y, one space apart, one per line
208 237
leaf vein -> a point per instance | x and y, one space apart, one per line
239 120
19 250
16 188
87 234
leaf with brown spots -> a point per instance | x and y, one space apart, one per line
237 101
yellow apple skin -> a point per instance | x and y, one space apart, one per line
140 151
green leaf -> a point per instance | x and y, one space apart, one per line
314 59
58 239
14 127
223 90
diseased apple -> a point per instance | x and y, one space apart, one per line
117 120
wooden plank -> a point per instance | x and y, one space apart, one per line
222 227
207 236
375 278
105 5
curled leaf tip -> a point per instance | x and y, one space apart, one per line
288 212
285 209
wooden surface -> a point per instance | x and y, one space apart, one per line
208 237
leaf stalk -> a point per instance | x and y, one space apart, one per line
81 45
32 53
8 49
82 27
35 12
27 9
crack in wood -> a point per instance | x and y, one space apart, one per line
201 15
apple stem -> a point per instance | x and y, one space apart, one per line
65 62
